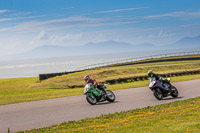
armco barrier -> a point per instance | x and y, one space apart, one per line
50 75
144 77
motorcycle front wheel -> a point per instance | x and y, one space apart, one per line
110 96
91 100
174 92
158 93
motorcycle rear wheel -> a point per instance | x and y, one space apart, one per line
91 100
158 93
110 96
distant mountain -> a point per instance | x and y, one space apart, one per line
45 51
109 44
48 51
51 51
115 47
187 42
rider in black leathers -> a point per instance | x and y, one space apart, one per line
153 75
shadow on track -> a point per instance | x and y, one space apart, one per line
103 103
170 98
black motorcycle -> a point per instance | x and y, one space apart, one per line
163 88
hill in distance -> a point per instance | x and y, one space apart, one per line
187 42
107 47
48 51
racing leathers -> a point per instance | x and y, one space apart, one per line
95 83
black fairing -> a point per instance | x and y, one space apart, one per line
161 86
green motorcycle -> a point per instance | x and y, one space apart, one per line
94 94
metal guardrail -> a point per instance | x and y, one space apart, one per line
135 59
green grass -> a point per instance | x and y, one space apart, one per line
30 89
177 117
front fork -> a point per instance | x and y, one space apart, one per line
90 94
104 90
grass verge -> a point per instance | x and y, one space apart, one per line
180 116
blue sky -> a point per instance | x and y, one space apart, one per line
25 24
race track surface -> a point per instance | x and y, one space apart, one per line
36 114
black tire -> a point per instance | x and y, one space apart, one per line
110 96
158 93
174 92
90 100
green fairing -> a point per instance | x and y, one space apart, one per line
93 90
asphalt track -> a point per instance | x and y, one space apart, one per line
36 114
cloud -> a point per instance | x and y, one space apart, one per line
47 38
164 34
66 39
21 13
42 36
63 23
3 11
177 14
109 24
48 25
66 8
72 20
119 10
7 19
17 18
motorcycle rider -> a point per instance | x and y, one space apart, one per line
153 75
88 80
93 82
